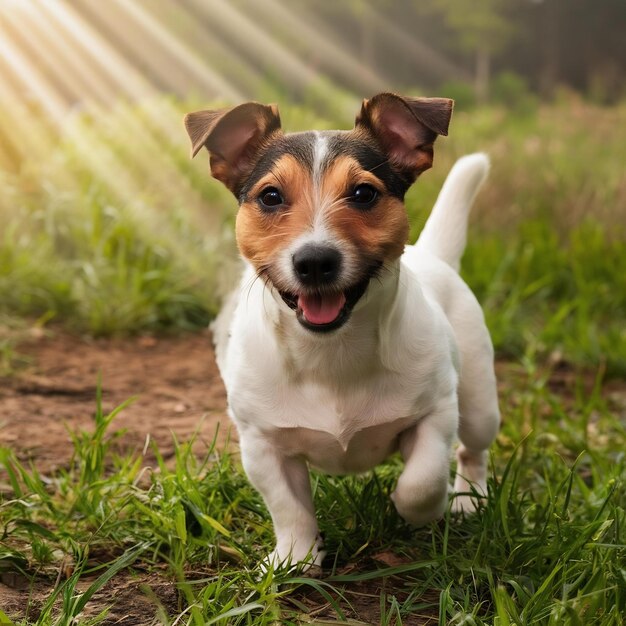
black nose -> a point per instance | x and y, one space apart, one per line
316 265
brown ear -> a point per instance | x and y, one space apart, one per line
232 137
406 128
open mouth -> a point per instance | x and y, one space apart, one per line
322 311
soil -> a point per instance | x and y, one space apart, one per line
175 381
177 391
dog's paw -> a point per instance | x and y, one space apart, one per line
299 561
467 496
420 513
464 503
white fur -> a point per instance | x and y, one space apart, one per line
411 369
445 233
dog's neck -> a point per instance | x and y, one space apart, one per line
352 353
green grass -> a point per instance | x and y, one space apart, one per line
548 547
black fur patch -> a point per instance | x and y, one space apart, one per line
298 145
370 157
301 146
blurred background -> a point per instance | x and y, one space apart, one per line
107 227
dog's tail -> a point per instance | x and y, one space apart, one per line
445 232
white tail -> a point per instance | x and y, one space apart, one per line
445 232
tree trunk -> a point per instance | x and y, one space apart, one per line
550 38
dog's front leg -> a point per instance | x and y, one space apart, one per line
284 484
421 494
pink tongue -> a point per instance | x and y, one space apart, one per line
321 309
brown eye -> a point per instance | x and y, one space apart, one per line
270 198
364 196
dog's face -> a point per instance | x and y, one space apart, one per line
321 212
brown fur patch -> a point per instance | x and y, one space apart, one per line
378 233
375 234
262 235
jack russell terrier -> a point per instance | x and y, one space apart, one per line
352 345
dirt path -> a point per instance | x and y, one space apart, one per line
175 380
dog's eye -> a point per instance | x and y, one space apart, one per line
270 198
364 196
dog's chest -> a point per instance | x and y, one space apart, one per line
341 403
338 430
344 445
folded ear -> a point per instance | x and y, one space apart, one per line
232 137
406 128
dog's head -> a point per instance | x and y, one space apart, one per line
321 212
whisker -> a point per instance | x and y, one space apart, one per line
379 165
266 280
254 279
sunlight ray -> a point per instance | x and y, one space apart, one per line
68 61
248 36
111 66
334 58
203 74
101 160
104 55
202 35
32 78
46 55
17 138
107 63
138 188
158 169
27 139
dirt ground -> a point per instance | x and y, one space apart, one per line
174 379
178 390
175 383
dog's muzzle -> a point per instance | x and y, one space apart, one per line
320 306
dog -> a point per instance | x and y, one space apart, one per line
343 344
